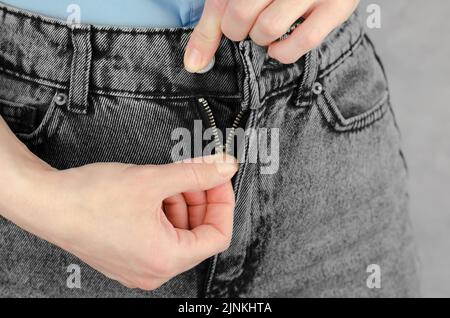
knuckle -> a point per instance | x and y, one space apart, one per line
282 56
231 33
194 174
238 14
286 59
312 39
269 26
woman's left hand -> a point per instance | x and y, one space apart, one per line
265 21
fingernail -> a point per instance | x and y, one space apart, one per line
193 61
226 165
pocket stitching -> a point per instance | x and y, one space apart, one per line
361 121
36 134
50 118
12 104
12 118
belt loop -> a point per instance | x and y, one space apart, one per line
309 77
251 88
80 69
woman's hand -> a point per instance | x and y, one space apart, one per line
139 225
265 21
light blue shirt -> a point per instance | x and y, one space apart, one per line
133 13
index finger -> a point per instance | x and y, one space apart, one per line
205 38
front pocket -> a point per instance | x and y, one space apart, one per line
353 92
360 121
27 107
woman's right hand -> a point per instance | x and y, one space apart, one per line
139 225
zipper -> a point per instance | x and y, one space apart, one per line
219 147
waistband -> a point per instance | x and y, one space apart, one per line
148 63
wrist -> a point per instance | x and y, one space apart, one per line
23 173
26 199
27 191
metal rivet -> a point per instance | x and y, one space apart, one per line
60 99
208 67
317 88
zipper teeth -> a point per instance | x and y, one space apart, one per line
212 122
236 123
219 148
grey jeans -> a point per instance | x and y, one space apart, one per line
336 205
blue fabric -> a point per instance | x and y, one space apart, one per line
135 13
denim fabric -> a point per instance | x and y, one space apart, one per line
337 204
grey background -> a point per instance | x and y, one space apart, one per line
414 43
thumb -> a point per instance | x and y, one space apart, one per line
205 38
198 174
